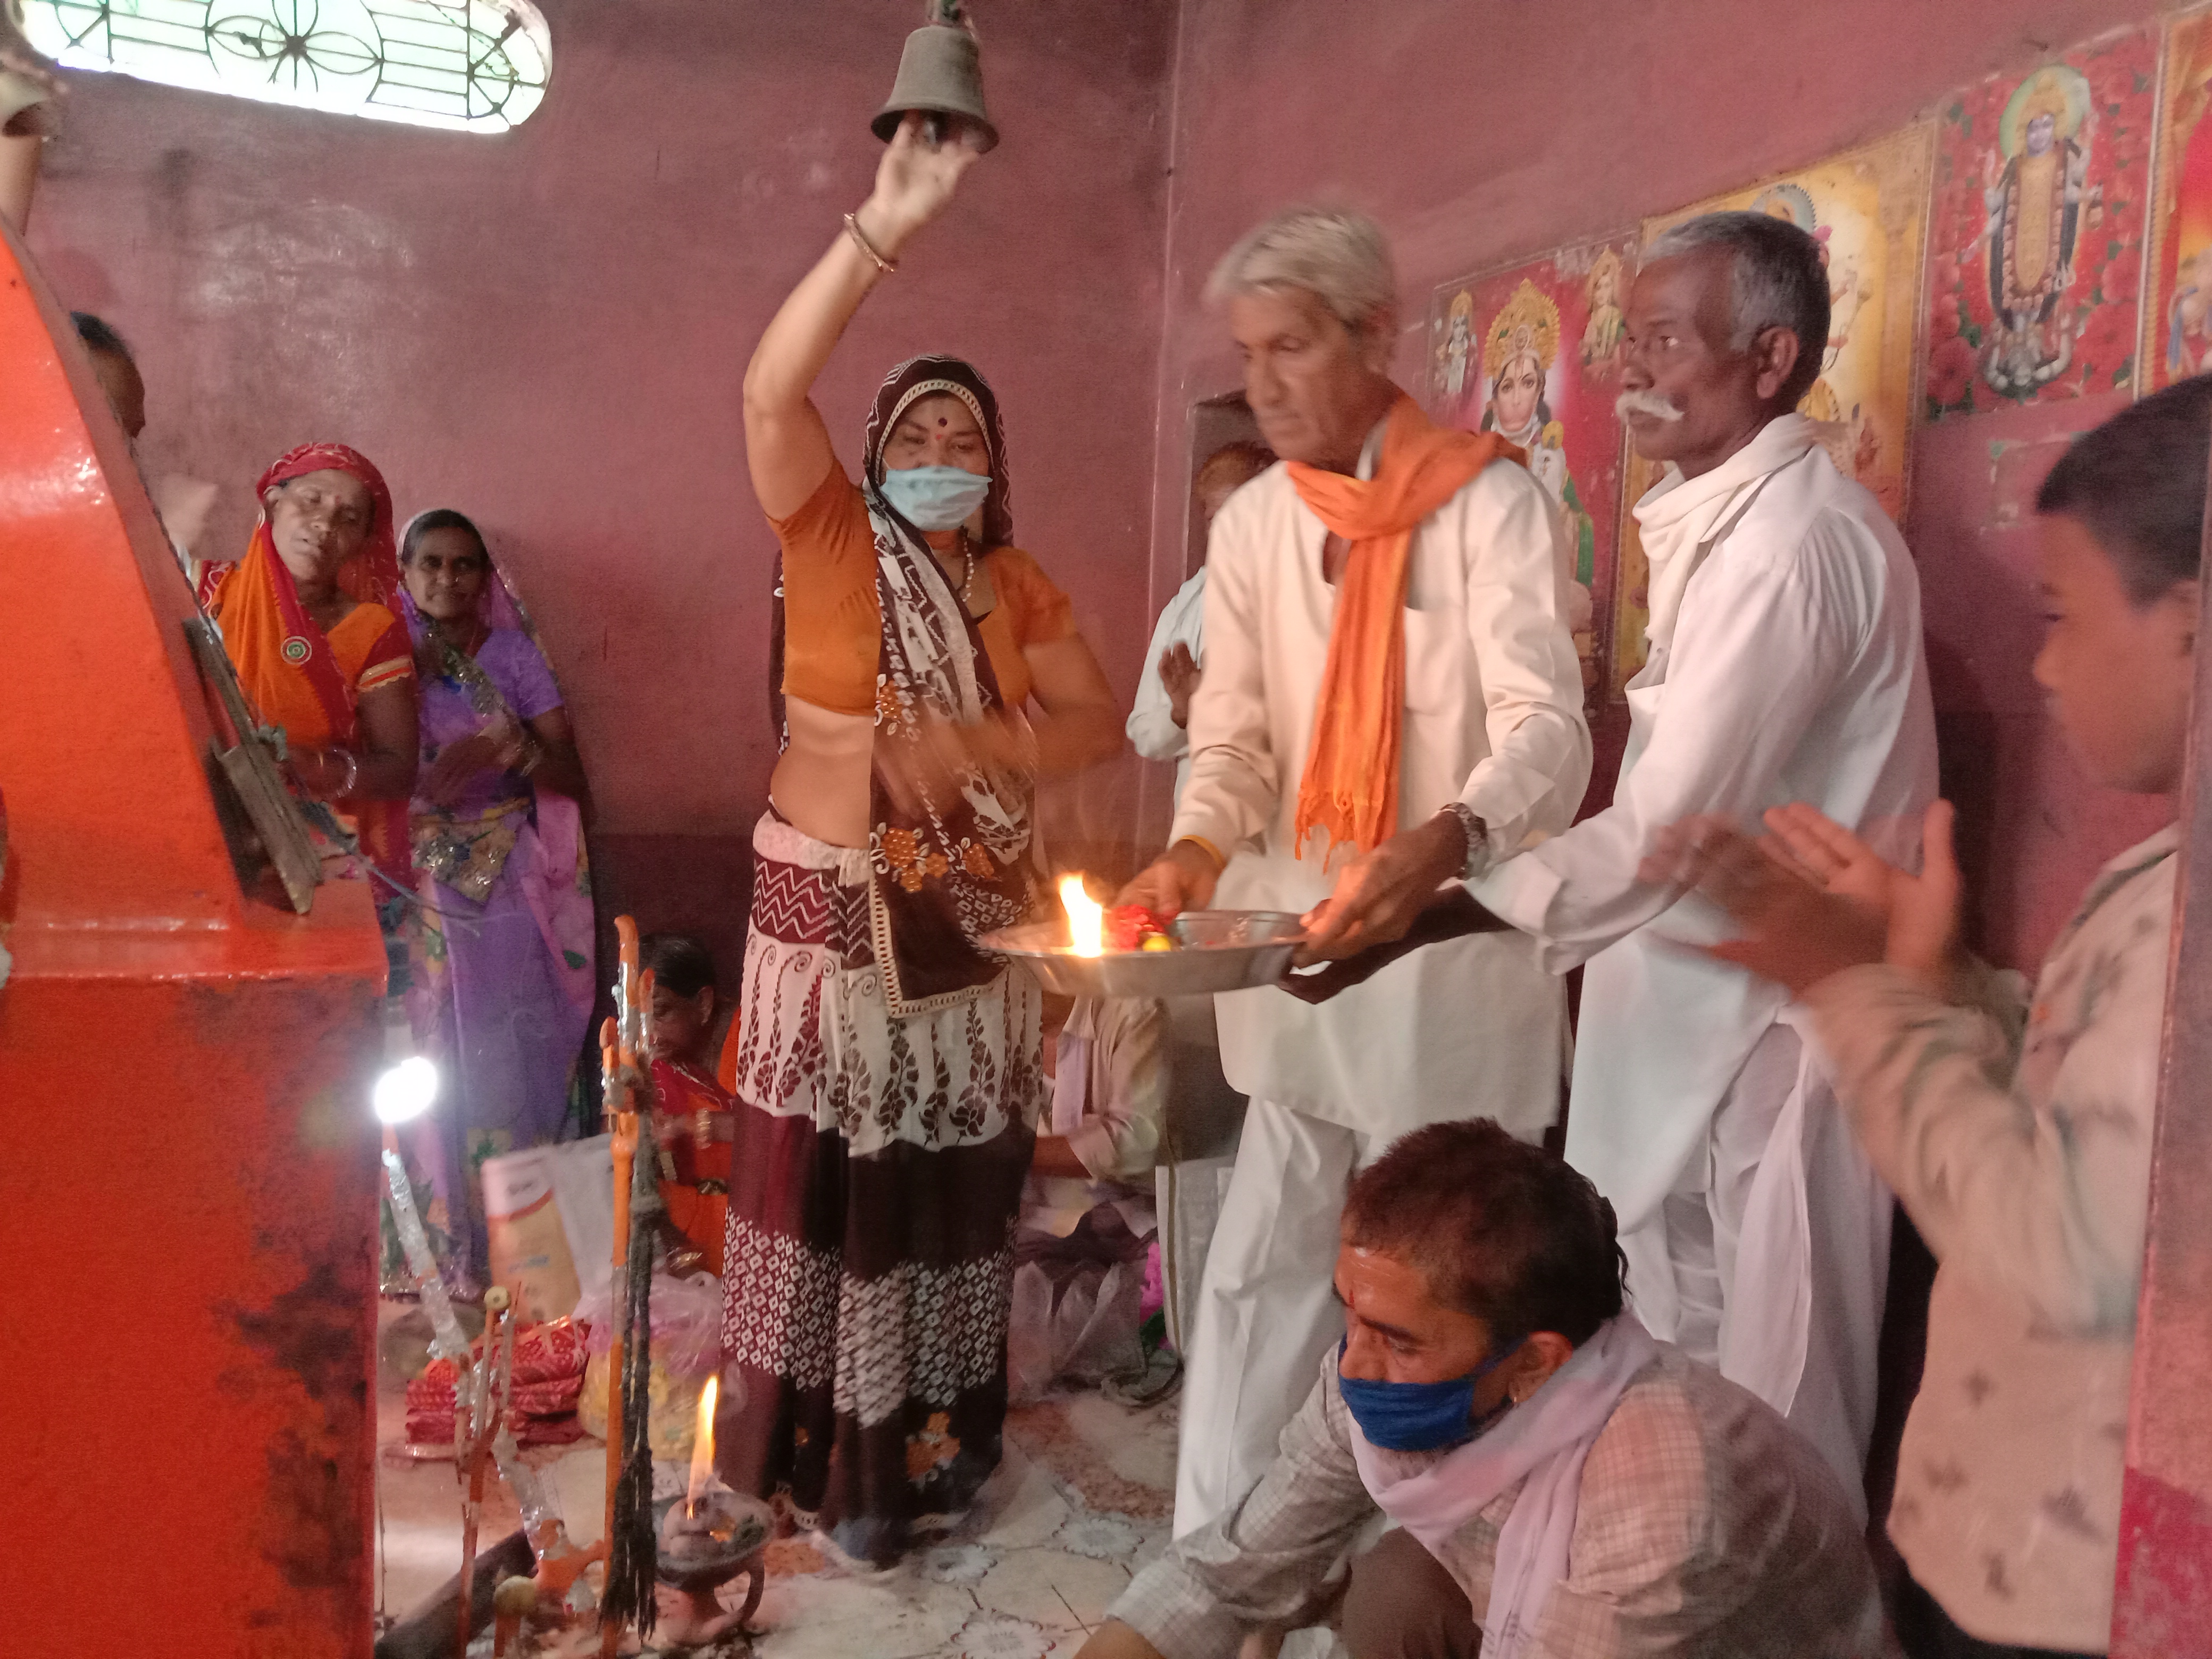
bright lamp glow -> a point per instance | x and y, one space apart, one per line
406 1091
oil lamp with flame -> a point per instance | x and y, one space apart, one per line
707 1537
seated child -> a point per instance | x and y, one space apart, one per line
1087 1221
693 1111
2016 1132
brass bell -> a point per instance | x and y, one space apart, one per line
940 74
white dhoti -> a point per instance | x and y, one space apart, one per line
1770 1259
1266 1307
1784 664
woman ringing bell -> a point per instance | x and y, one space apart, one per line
888 1076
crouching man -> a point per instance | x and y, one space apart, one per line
1555 1474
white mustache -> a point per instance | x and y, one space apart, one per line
1645 403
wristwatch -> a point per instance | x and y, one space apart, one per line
1478 840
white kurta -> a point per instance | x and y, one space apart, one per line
1471 1028
1796 673
1788 667
1151 725
1467 1028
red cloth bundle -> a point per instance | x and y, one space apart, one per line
548 1374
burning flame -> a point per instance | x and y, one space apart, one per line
702 1447
1086 922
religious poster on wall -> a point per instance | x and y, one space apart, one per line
2036 234
1868 210
2177 316
1533 352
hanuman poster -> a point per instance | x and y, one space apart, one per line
1868 210
2036 242
2176 318
1532 352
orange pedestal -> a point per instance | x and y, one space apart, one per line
187 1196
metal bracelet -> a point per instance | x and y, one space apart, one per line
861 241
352 774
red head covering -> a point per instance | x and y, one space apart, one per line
283 659
285 663
372 574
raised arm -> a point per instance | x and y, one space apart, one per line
787 446
28 93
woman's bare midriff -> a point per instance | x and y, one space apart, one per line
822 781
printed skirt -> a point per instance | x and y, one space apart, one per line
877 1167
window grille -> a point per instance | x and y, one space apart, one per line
478 65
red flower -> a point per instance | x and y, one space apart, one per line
1950 372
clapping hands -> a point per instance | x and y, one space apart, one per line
1812 899
493 749
1179 676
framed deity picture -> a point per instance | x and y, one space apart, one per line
2176 330
2036 235
1868 210
1532 351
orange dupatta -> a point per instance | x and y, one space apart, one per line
1350 788
294 675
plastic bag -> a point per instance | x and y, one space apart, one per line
687 1340
687 1321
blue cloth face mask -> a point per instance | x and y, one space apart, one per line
1411 1417
935 497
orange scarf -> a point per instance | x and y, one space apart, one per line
1350 788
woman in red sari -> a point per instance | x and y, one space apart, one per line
693 1111
306 622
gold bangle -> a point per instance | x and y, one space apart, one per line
861 241
1210 850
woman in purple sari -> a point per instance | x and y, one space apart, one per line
502 945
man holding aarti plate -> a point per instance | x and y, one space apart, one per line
1390 684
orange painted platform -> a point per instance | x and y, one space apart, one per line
187 1202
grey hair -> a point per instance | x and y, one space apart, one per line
1776 281
1339 256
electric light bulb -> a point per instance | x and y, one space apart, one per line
406 1090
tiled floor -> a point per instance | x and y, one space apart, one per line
1082 1498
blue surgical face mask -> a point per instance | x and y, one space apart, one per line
935 497
1419 1416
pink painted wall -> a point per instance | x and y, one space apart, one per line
1478 131
548 331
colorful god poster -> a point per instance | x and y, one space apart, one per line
2036 239
1868 210
1532 351
2176 330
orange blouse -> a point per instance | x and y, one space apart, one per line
372 647
833 617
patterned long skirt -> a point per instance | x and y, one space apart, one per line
869 1265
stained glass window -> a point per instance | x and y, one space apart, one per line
477 64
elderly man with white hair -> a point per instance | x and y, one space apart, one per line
1390 687
1785 664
